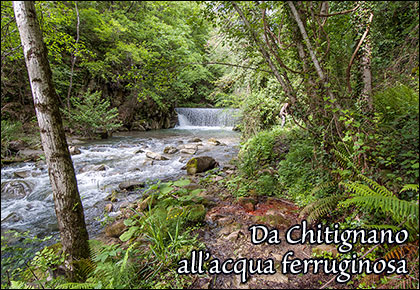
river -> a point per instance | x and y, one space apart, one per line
26 197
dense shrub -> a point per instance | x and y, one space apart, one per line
9 132
92 114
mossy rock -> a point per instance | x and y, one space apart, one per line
201 164
196 212
116 229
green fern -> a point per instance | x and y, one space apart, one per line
321 207
377 197
342 156
77 286
410 187
376 186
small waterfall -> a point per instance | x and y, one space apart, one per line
206 117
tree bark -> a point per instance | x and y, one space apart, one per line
68 205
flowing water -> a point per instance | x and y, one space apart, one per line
207 118
26 197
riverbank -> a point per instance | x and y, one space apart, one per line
222 231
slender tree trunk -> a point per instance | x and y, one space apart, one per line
74 56
365 61
68 206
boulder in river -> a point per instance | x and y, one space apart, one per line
195 140
21 174
201 164
15 189
188 148
237 128
214 142
188 151
130 185
155 156
74 150
86 168
170 150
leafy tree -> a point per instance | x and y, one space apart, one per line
68 205
93 115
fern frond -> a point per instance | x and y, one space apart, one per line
396 253
410 187
76 286
321 207
403 251
379 188
342 156
343 160
382 227
323 186
20 285
124 262
400 210
358 189
84 268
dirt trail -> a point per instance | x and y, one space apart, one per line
227 235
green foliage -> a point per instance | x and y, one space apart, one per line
321 207
15 256
260 111
396 102
91 114
397 138
9 132
374 197
258 152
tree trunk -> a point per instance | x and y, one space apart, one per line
365 61
68 206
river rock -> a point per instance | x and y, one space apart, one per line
201 164
148 162
188 151
130 185
74 150
89 167
195 140
155 156
170 150
31 154
17 145
116 229
16 189
214 142
21 174
139 151
99 168
236 128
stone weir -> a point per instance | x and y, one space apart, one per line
207 117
